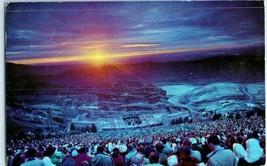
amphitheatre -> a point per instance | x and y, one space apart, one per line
126 97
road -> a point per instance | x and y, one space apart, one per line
244 90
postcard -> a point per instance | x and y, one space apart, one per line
109 77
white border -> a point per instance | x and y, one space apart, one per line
2 88
2 65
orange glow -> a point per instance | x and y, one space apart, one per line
100 57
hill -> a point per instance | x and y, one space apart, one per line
48 101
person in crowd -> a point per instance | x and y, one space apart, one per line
102 159
109 146
193 153
122 148
186 158
219 155
50 152
162 156
82 156
68 161
10 156
117 157
131 152
139 158
238 149
47 161
31 158
173 159
167 147
230 141
200 131
255 155
149 148
154 160
19 158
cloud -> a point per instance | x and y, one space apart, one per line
13 52
44 30
139 45
137 26
90 58
219 37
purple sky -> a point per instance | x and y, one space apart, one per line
113 32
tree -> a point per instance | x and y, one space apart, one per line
237 116
21 135
180 120
93 128
259 111
216 116
38 134
172 122
231 116
72 127
250 113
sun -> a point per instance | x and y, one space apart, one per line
98 58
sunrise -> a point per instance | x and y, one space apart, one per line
84 33
135 83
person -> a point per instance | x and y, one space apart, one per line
131 152
219 155
230 141
122 148
139 158
9 157
148 146
186 158
193 153
54 158
117 157
31 158
101 159
162 157
172 160
82 156
255 154
46 159
238 149
19 158
167 147
49 157
69 159
154 159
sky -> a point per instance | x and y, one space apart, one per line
99 33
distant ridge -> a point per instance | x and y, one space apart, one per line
245 68
254 56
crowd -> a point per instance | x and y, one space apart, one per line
223 142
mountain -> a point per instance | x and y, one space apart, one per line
246 68
47 98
